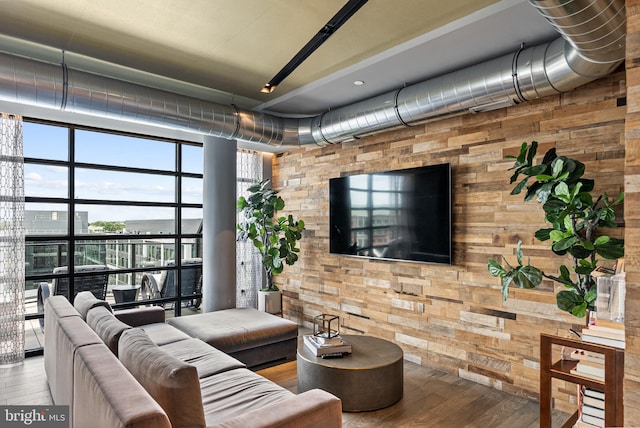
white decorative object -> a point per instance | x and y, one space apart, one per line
12 245
611 293
270 301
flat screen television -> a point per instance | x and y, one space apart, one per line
397 215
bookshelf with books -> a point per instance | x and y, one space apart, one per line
591 405
608 381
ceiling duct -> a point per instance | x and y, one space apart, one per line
592 45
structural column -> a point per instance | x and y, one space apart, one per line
219 224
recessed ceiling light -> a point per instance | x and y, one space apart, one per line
359 82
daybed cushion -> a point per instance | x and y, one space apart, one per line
206 359
232 330
171 382
161 333
108 327
136 317
236 392
106 395
85 301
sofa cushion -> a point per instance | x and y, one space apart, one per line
85 301
55 308
232 330
161 333
236 392
106 395
68 334
108 327
171 382
207 360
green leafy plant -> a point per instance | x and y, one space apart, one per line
274 237
575 218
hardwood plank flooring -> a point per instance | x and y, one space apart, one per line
431 399
434 399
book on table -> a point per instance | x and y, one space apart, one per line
321 347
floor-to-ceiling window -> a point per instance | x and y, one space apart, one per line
105 205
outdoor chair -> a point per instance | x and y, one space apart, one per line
95 283
155 286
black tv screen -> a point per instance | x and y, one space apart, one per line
398 215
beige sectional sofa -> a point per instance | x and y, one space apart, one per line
146 373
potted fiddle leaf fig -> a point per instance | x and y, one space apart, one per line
575 219
275 237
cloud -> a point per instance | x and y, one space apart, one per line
33 176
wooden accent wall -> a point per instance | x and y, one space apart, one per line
453 317
632 217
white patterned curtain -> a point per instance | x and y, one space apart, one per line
249 270
12 242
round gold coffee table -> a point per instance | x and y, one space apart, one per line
369 378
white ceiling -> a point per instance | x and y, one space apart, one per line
226 50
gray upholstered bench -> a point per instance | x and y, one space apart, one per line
256 338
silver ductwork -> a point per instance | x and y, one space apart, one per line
592 46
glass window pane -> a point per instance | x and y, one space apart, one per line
129 219
192 159
191 221
192 190
46 181
123 186
46 219
120 150
45 141
42 257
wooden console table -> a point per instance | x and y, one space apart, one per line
611 386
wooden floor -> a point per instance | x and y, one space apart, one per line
431 399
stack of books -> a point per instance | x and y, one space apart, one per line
605 332
591 408
590 364
327 347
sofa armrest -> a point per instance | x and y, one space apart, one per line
141 316
311 409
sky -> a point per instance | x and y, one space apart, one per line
50 142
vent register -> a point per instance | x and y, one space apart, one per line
592 45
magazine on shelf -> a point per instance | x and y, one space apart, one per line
594 331
593 402
592 420
586 337
608 326
321 349
592 411
590 392
596 369
587 375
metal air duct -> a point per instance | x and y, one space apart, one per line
592 45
